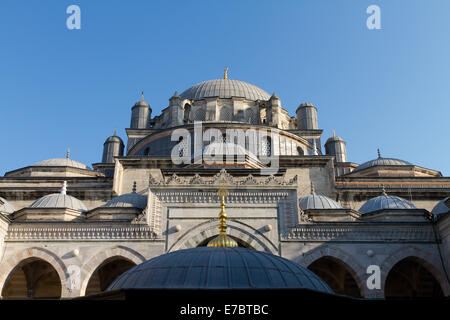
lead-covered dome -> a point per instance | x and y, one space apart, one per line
219 268
382 162
59 200
386 202
442 207
128 200
315 201
225 88
60 162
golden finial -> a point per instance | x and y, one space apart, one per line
225 73
222 240
334 134
114 131
142 96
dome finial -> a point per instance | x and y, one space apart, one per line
225 73
313 192
379 154
142 96
222 240
134 187
334 134
383 190
114 132
68 153
64 188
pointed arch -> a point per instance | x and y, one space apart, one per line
88 269
252 237
8 267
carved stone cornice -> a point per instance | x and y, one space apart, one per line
222 178
77 233
359 232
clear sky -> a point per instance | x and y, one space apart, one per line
387 89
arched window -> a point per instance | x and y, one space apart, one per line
300 151
266 147
187 113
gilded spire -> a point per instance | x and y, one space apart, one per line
142 96
114 132
225 73
334 134
222 240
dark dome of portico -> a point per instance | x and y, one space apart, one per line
219 268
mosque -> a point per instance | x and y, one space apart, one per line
69 230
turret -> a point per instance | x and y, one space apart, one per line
176 112
275 111
307 117
140 114
335 146
113 147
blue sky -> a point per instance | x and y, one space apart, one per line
386 89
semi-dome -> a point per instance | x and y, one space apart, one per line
60 162
225 88
386 202
6 207
129 200
315 201
59 200
442 207
219 268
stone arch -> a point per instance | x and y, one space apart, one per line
88 269
425 258
252 237
341 257
8 267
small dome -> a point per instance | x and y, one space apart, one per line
6 207
141 103
225 88
442 207
61 163
129 200
315 201
334 138
386 202
59 200
113 139
219 268
382 162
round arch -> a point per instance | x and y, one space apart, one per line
8 267
424 258
88 269
252 237
342 258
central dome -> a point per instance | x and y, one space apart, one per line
225 88
219 268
